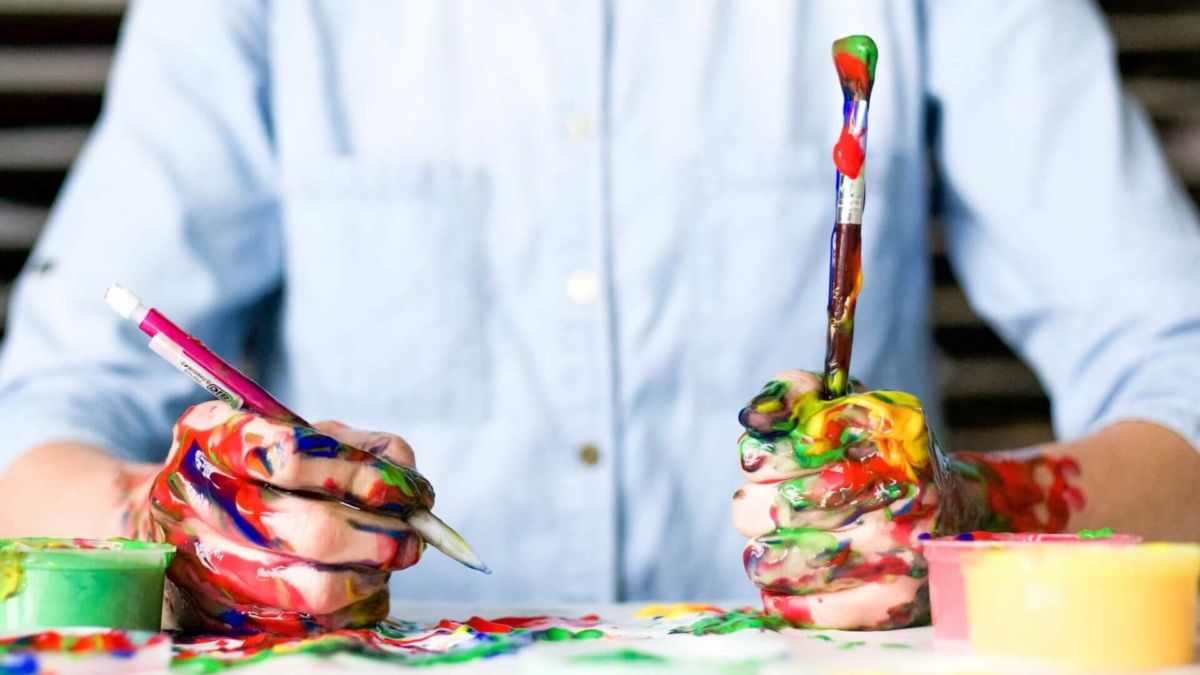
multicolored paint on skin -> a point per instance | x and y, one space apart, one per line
446 642
839 492
854 58
1020 491
733 622
280 528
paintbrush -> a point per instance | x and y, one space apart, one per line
854 57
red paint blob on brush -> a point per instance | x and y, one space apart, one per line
848 155
852 71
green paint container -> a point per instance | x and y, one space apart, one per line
110 583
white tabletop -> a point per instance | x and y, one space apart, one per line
647 644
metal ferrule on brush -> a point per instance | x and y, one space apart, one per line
852 192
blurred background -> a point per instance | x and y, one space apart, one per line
55 54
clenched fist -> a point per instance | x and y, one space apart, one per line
838 492
282 528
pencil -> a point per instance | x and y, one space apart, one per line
223 381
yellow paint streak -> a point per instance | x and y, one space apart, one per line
896 429
670 611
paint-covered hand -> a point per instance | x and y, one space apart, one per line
283 528
838 493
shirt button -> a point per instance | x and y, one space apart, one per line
582 287
581 126
589 454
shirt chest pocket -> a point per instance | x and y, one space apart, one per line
386 285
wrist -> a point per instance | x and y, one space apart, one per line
135 483
66 490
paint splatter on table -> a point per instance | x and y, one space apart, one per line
612 638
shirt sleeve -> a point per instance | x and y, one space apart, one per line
1064 224
174 197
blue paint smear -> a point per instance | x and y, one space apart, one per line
19 663
261 454
234 619
379 529
314 444
220 491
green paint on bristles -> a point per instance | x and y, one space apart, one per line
1102 533
860 47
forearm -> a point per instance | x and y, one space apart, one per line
1135 477
70 490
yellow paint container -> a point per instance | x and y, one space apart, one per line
1086 606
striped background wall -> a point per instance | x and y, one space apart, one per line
54 55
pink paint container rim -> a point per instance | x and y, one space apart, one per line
945 555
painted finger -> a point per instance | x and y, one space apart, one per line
298 459
256 515
336 534
772 412
378 443
210 565
832 499
811 561
899 603
196 609
773 459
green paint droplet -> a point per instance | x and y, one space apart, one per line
851 645
559 634
821 636
1102 533
895 645
622 656
555 634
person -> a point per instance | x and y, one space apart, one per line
554 247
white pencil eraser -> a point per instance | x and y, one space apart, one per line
122 301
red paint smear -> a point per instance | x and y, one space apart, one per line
47 642
477 623
111 641
848 154
1014 493
793 609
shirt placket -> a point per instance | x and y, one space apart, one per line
585 488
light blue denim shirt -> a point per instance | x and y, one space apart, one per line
508 231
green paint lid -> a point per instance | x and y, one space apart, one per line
52 583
